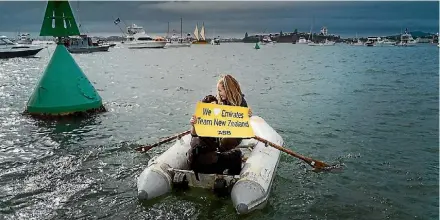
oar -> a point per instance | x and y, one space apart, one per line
166 140
316 164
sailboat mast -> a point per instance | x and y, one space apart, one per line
181 31
168 31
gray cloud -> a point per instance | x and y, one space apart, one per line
228 17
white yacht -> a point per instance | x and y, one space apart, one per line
142 41
138 39
24 38
9 49
406 40
328 43
302 40
325 43
176 41
215 41
132 30
266 40
385 42
372 41
357 43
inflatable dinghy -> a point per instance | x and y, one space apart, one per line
249 190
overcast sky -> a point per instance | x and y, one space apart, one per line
234 18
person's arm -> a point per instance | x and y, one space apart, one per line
192 121
193 132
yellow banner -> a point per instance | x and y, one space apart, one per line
214 120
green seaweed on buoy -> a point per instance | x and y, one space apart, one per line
257 46
64 89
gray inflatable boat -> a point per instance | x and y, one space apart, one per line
249 190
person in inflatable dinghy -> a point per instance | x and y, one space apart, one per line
215 155
229 93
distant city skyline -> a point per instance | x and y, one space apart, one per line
233 19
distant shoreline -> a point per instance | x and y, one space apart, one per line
117 37
35 35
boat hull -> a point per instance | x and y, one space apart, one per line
200 42
322 44
406 44
89 49
5 54
144 45
249 190
176 45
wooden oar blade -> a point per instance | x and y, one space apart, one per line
321 166
318 164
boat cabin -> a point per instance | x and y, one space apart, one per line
78 41
5 41
144 38
406 38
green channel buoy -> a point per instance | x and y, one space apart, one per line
63 89
257 46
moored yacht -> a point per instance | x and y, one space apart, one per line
302 40
357 43
385 42
138 39
83 44
266 40
372 41
325 43
406 40
131 31
24 38
176 41
215 41
9 49
142 41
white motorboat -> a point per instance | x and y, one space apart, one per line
24 38
266 40
131 31
328 43
138 39
43 42
372 41
249 191
142 41
385 42
9 49
357 43
325 43
303 40
176 41
406 40
215 41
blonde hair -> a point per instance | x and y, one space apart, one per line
232 89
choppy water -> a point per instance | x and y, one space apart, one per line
373 109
